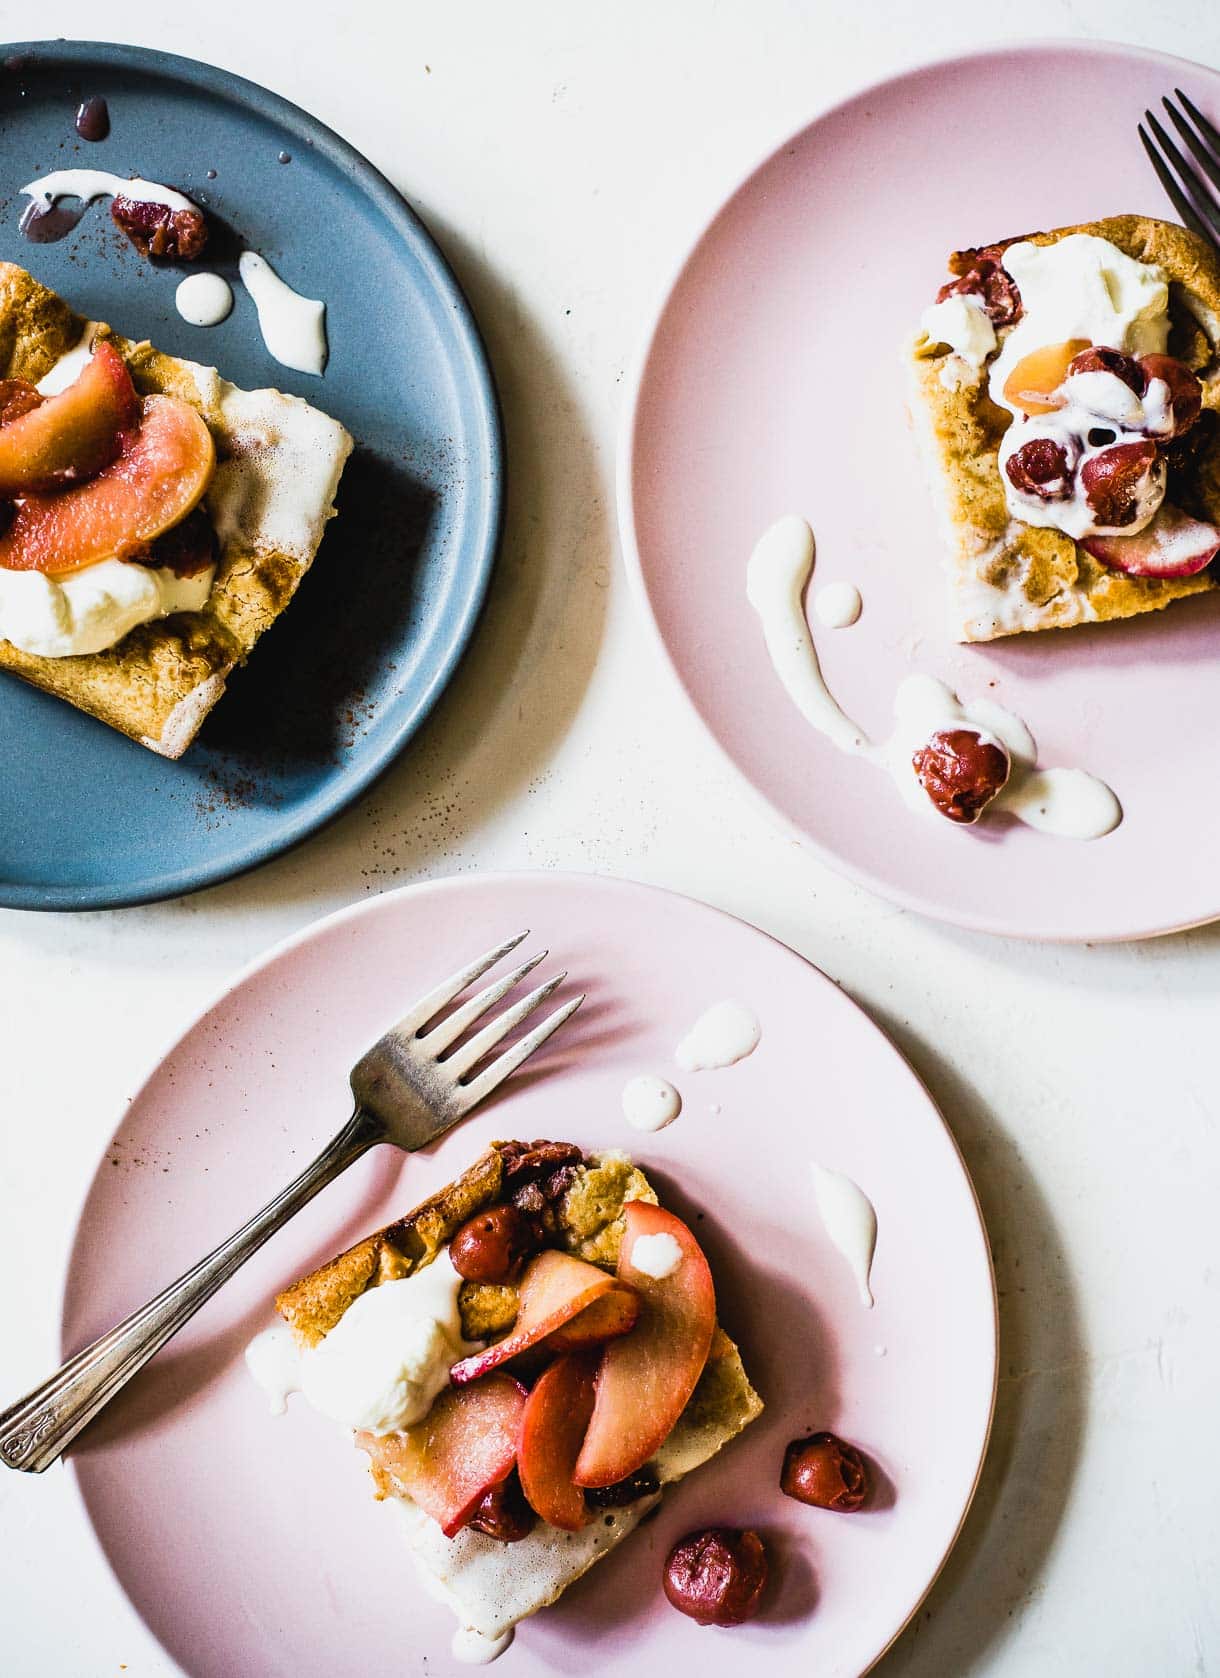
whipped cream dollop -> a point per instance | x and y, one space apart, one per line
389 1355
657 1256
961 322
58 615
650 1103
726 1033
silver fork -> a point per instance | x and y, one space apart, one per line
404 1093
1192 199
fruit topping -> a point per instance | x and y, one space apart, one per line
1173 545
717 1576
158 230
961 772
615 1313
163 467
826 1472
73 435
465 1445
17 397
553 1289
643 1483
1119 481
504 1514
646 1377
186 549
987 280
552 1428
493 1245
1184 392
1042 467
1096 358
536 1174
1033 385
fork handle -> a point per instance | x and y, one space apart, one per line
36 1429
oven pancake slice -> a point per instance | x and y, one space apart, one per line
273 492
1007 577
491 1585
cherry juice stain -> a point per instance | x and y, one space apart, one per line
45 224
93 119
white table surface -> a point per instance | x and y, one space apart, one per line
565 154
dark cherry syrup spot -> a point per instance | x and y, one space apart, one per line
93 119
45 224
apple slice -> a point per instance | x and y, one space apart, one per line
72 435
1173 545
647 1376
553 1427
1034 381
466 1444
553 1289
614 1313
162 470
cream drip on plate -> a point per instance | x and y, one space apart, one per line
293 327
204 299
851 1223
726 1033
650 1103
838 605
88 184
274 1361
1067 802
474 1648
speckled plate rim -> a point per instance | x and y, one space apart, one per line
486 479
457 884
625 497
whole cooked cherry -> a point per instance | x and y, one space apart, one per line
491 1246
826 1472
1041 467
1114 480
1185 391
504 1514
1098 359
991 283
717 1576
159 231
961 772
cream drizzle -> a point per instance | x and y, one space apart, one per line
851 1223
726 1033
204 299
293 327
475 1648
1069 803
650 1103
838 605
88 184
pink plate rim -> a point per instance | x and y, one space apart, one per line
625 498
371 906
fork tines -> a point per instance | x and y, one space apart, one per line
1190 193
434 1036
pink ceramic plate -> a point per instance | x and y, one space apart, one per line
772 384
250 1544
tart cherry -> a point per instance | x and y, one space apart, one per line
1041 467
825 1472
1185 391
717 1576
961 772
1113 479
491 1246
1098 359
504 1514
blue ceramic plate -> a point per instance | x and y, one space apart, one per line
88 819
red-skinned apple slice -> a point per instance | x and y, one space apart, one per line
72 435
553 1427
466 1444
553 1289
646 1378
1173 545
615 1312
162 470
